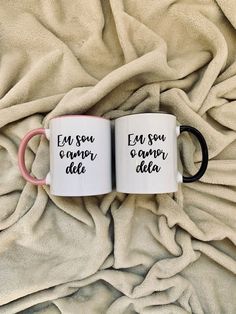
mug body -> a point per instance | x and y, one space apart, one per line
146 153
80 155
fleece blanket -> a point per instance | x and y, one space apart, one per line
118 253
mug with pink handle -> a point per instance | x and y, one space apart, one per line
80 155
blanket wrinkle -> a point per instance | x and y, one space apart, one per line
118 253
227 9
215 255
134 98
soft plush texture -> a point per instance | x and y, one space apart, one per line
118 253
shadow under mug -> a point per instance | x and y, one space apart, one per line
80 155
146 153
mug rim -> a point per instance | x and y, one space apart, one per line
78 115
146 113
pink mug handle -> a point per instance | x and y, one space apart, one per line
21 157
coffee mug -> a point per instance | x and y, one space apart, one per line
146 153
80 155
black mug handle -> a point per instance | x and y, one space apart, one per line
204 149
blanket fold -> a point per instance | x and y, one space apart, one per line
117 253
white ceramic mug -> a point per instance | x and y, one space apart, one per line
146 153
80 155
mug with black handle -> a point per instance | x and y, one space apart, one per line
146 153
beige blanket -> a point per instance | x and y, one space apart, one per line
170 253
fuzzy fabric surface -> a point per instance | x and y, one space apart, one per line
118 253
